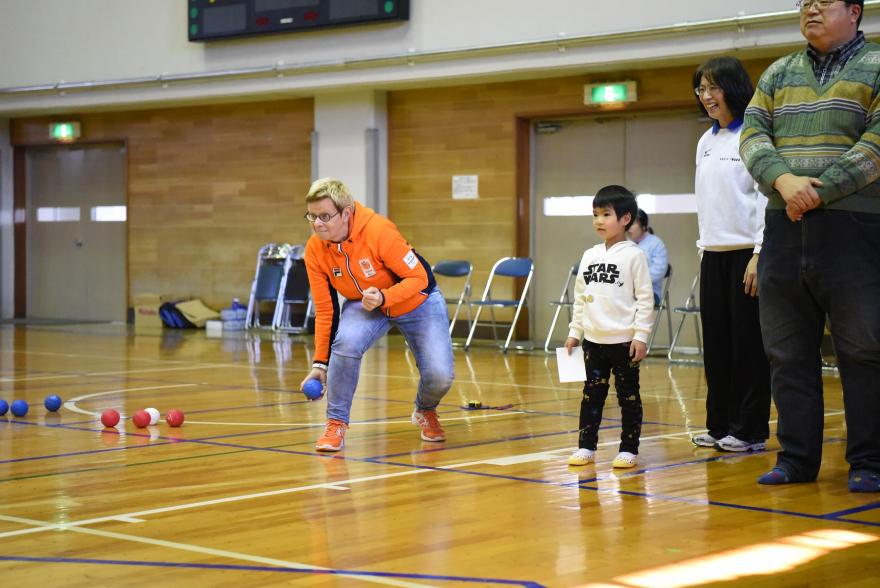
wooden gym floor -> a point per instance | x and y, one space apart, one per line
239 497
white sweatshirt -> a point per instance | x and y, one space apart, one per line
613 297
730 209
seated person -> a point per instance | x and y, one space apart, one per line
654 249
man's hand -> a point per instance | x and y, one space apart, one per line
799 193
638 350
793 213
571 343
750 278
372 298
317 374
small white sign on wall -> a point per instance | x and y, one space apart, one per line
465 187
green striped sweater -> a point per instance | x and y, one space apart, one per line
832 133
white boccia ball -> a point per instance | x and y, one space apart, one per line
154 415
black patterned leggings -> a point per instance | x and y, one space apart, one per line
601 362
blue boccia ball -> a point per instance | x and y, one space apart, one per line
313 389
4 407
52 402
19 408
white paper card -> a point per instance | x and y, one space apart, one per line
571 367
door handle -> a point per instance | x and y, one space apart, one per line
78 243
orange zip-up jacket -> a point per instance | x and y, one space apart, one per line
374 254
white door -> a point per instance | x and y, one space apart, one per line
76 233
648 154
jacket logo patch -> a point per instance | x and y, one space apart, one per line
411 260
337 272
367 268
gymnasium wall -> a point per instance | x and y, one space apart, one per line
62 40
471 130
207 187
7 259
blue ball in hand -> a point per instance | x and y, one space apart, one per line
313 389
52 402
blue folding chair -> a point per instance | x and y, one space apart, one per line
293 291
660 309
457 268
690 309
267 279
510 267
565 301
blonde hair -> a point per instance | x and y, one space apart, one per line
330 188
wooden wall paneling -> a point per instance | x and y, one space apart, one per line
208 186
483 129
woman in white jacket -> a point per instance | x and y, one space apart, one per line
730 211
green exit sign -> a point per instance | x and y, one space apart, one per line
64 131
616 93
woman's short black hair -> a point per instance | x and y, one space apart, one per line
619 199
729 74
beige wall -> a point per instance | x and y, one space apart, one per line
471 130
207 187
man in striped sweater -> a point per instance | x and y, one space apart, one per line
811 139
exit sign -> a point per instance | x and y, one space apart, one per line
615 93
64 131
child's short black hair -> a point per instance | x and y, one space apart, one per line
618 198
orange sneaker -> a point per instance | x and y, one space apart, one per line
334 436
429 424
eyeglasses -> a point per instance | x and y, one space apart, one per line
711 88
806 5
324 217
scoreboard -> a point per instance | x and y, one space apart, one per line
221 19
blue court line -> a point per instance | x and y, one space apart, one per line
760 509
311 571
855 510
446 447
579 483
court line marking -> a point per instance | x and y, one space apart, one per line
202 550
202 365
93 374
275 569
225 500
419 469
281 491
72 406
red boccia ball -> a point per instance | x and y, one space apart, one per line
140 418
174 417
109 418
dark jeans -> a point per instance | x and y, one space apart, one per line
827 264
737 370
601 362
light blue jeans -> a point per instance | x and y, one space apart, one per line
426 330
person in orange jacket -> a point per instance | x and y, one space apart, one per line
359 254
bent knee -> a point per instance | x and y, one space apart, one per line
348 347
437 379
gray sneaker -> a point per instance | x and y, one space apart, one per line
704 440
731 443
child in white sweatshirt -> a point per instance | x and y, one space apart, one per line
613 313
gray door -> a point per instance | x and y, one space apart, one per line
76 233
649 154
